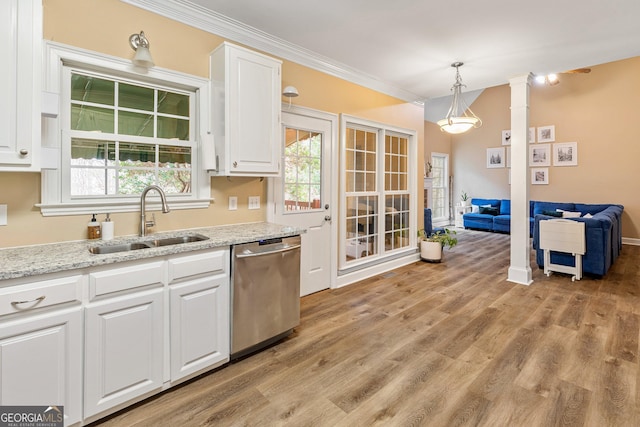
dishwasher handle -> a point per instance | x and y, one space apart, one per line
256 254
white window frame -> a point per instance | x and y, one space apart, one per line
382 130
442 220
55 181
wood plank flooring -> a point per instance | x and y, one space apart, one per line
450 344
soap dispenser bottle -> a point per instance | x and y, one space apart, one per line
93 228
107 228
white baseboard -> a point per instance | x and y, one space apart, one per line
630 241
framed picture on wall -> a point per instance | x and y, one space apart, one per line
506 137
540 155
539 176
565 154
495 157
546 133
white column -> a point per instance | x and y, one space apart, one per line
520 267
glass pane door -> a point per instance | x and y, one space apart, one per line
302 170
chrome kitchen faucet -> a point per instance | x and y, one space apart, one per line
143 220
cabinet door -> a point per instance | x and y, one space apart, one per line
20 40
41 361
254 113
123 349
199 325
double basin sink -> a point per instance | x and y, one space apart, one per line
146 244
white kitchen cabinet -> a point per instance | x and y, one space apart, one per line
199 312
246 100
20 104
41 343
123 349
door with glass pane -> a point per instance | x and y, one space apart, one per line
302 196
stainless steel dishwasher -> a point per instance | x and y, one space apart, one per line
265 293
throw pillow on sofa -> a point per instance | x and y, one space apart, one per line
569 214
488 210
552 213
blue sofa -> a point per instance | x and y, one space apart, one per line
603 236
603 229
500 220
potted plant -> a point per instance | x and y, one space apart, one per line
431 246
465 199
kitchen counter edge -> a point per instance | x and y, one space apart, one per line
25 261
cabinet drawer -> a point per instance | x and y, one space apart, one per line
44 293
216 261
123 278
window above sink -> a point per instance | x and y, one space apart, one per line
119 130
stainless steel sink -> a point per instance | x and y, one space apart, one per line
177 240
146 244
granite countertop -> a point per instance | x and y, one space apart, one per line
26 261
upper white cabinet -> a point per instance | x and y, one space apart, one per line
246 88
20 50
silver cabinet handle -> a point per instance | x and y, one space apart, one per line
24 152
41 298
253 254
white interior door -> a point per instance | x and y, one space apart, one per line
303 195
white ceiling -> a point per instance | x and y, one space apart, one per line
407 46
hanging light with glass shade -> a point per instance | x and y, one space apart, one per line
459 118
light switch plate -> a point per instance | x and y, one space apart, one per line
233 203
3 214
254 202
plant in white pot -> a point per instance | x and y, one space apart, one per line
431 246
464 197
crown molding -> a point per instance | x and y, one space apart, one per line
212 22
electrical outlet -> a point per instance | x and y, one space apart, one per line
233 203
3 214
254 202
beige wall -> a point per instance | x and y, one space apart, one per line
595 110
105 26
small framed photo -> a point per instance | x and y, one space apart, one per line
540 155
540 176
532 135
565 154
495 157
506 137
546 133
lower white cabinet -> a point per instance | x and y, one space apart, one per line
99 339
199 312
199 325
123 349
41 361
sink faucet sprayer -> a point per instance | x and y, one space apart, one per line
143 220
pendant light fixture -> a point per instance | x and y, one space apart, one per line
457 120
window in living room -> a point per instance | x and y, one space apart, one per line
377 192
440 195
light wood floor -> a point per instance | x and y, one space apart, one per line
440 345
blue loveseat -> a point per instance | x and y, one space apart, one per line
603 228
